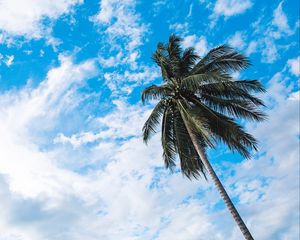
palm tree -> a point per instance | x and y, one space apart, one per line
199 103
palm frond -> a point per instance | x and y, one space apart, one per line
225 129
196 124
161 59
155 92
200 95
248 85
223 59
174 48
234 107
232 90
188 60
195 82
233 135
153 121
190 163
168 139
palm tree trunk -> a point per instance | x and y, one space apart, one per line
220 187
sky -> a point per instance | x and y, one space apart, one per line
73 164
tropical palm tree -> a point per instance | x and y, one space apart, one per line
199 103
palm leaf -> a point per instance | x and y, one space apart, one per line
152 122
196 124
234 107
200 94
223 59
161 59
232 90
168 139
173 48
189 57
155 92
225 129
195 82
190 162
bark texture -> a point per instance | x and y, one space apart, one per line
220 187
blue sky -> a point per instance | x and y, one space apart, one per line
72 161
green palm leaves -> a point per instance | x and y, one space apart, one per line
201 94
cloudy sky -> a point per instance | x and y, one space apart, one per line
72 162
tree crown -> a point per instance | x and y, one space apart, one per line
201 94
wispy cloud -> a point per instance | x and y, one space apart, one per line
280 20
267 35
237 40
120 20
72 161
124 83
199 43
154 202
126 32
7 59
27 18
230 8
294 65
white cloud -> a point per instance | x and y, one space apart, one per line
124 83
236 75
270 51
111 181
24 18
77 139
267 187
9 60
279 164
57 90
59 203
237 40
294 65
6 59
44 199
58 193
190 10
199 227
189 41
280 20
112 60
111 126
36 186
158 6
120 20
252 47
121 188
120 58
267 34
199 43
28 52
124 33
230 8
180 28
295 96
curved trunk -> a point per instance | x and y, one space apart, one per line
220 187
